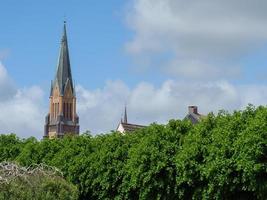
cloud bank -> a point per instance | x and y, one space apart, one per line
101 110
194 37
22 110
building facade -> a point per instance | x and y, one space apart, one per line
62 118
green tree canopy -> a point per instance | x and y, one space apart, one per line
222 157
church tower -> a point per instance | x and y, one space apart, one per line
62 118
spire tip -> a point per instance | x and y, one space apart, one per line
125 115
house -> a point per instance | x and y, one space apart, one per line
193 115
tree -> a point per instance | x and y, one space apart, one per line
222 157
40 182
10 147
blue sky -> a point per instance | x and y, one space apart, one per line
96 37
97 33
159 56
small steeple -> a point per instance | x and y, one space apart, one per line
125 115
63 74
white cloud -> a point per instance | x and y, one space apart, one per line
21 109
208 31
100 110
197 69
7 87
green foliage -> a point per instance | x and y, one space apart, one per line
222 157
10 147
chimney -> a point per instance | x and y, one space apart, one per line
192 110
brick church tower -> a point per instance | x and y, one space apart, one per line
62 118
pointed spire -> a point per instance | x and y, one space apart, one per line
63 74
64 36
125 115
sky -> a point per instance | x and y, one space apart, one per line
156 56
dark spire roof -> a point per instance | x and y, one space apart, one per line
125 115
51 89
63 74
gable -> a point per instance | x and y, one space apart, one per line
68 90
120 128
56 91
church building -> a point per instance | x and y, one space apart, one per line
62 118
125 127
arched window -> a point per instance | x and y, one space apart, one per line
67 111
54 110
64 110
57 108
70 111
